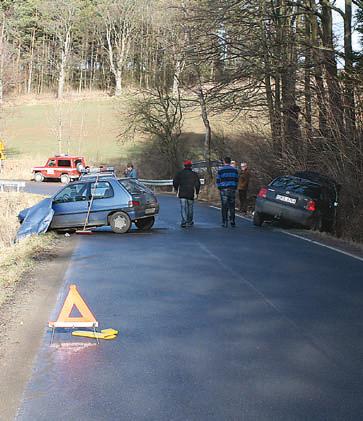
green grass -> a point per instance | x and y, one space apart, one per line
89 127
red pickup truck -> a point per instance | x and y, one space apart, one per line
65 168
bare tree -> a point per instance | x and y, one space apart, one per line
119 24
59 19
158 114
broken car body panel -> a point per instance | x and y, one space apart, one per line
36 220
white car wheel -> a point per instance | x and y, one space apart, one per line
65 179
38 177
120 222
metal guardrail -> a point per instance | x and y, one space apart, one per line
156 183
160 183
8 185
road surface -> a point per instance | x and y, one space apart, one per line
215 324
45 188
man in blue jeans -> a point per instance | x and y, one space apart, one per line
227 181
187 184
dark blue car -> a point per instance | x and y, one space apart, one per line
307 199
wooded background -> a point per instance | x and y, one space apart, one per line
278 59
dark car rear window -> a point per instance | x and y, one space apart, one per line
132 186
295 185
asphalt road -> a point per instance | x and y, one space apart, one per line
215 324
46 189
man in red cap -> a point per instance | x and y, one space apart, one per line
187 184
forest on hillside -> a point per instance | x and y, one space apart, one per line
291 62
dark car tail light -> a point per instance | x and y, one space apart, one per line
311 206
134 203
263 192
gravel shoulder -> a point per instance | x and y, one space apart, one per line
23 317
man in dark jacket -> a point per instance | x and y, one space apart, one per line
227 180
187 184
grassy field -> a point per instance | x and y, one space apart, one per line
89 126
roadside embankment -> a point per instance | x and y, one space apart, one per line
16 259
19 168
31 273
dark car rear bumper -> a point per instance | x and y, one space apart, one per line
284 212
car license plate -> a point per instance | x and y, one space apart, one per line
286 199
150 210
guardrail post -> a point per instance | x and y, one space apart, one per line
18 185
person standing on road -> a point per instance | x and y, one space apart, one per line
186 182
242 187
130 171
227 180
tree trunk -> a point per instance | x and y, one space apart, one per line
348 67
307 79
272 114
19 79
83 61
41 76
272 102
118 82
30 70
61 77
176 77
318 75
208 130
334 90
91 65
65 47
290 109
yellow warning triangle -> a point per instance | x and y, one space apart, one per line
74 299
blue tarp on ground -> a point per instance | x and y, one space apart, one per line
37 219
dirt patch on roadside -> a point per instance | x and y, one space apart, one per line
23 317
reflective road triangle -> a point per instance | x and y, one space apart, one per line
74 299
